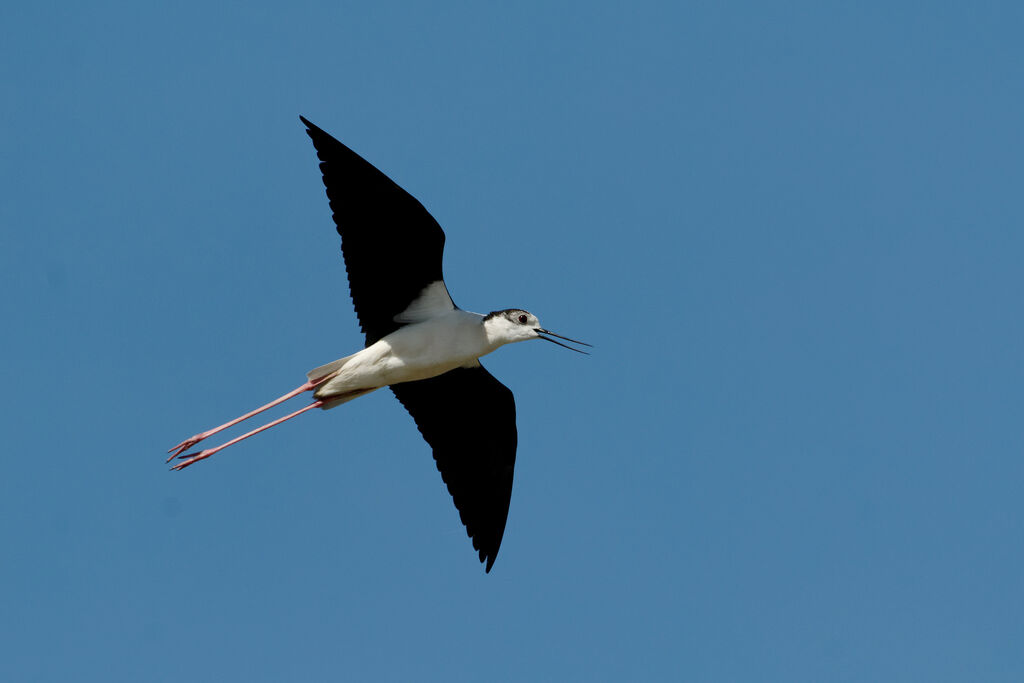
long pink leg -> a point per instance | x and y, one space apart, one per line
188 443
202 455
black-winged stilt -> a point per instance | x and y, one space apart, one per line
418 343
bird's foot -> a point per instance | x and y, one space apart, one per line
185 445
192 458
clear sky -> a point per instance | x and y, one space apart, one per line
794 234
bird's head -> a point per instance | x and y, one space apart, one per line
515 325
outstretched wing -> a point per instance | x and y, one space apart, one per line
392 246
469 419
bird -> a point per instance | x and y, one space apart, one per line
418 343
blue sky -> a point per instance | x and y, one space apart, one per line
794 234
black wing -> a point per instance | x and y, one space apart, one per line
469 419
392 246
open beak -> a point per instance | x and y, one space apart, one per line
541 332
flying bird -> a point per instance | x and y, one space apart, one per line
418 343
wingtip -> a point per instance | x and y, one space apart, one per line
310 126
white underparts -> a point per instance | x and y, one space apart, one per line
434 337
412 352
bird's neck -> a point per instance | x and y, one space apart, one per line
497 333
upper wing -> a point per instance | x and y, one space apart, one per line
469 419
392 246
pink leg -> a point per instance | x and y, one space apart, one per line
188 443
202 455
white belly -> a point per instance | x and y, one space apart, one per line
414 352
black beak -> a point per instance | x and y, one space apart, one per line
541 332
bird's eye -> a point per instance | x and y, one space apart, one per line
522 319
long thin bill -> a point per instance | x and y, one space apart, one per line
541 332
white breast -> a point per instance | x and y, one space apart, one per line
414 352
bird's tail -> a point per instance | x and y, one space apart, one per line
331 396
325 370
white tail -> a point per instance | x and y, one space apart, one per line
325 370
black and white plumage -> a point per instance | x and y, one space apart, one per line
373 215
418 343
